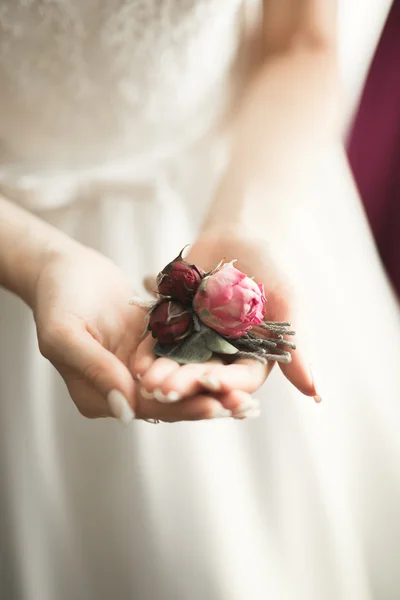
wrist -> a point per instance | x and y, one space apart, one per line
249 207
26 245
27 261
264 204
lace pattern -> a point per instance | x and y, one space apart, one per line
111 79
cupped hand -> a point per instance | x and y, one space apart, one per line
169 381
90 332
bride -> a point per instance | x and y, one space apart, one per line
127 130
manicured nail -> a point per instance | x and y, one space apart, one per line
219 412
146 395
317 397
173 396
120 407
159 396
210 383
250 413
246 405
166 398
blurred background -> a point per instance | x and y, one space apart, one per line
372 84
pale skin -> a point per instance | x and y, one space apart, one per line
80 300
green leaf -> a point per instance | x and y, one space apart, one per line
192 350
218 344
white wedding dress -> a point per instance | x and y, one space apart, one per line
104 114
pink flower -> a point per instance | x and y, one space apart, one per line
229 302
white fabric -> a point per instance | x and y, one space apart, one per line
300 504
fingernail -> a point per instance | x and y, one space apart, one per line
137 376
248 404
165 398
120 407
159 396
317 397
146 395
250 413
219 412
210 383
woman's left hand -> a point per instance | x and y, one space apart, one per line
164 377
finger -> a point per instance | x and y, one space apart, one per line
241 404
199 407
78 352
191 409
185 381
298 370
246 375
299 373
144 357
150 284
155 376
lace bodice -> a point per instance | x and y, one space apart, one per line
86 81
100 88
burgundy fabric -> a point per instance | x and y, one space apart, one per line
374 146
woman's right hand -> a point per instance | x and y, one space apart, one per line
89 331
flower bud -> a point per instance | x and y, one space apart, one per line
170 322
179 280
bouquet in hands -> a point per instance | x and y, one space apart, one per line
199 315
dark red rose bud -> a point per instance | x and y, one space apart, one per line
170 322
180 280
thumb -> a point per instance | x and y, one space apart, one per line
105 373
150 284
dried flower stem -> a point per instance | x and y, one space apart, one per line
278 328
262 349
263 358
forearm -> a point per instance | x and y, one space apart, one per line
25 242
289 115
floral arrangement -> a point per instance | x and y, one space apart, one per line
198 315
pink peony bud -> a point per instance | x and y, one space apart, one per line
229 302
170 322
180 280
